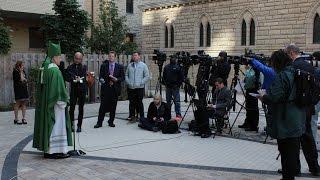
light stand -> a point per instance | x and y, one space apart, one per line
75 152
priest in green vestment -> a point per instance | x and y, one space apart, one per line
52 129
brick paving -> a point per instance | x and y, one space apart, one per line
33 166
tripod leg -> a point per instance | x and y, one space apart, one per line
230 131
184 115
265 140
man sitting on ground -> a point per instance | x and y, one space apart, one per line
220 100
158 113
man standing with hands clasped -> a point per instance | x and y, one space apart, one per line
111 76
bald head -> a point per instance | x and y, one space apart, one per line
78 58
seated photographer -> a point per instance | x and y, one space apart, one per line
158 113
220 101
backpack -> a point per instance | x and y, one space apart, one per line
170 127
308 88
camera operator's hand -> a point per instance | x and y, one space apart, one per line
161 119
154 119
262 92
211 106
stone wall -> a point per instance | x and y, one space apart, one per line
278 22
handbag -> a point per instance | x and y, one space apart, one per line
170 127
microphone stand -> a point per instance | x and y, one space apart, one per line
75 152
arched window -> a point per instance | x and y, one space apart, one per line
244 33
252 33
166 37
201 35
316 30
208 35
172 37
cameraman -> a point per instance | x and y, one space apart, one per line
307 140
252 81
315 122
172 79
220 70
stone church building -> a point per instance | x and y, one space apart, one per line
230 25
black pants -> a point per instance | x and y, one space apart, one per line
309 147
135 97
149 124
289 149
80 97
252 109
109 100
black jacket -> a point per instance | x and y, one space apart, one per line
20 88
118 73
164 111
77 70
221 98
173 76
220 70
301 64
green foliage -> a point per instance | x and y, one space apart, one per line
5 41
110 32
68 26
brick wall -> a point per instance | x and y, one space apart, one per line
278 22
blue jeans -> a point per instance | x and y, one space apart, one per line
314 122
175 94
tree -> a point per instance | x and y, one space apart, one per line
5 41
68 26
110 32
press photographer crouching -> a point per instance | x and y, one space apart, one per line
172 79
158 113
220 100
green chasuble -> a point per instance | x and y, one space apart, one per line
54 90
50 89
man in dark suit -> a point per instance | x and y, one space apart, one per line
111 76
76 75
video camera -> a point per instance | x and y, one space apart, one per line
183 58
247 57
160 57
203 59
310 59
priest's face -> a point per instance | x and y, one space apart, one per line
56 60
78 58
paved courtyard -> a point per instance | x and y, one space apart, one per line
127 152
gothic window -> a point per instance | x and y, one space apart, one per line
166 37
172 37
316 30
129 6
208 35
252 33
201 35
244 33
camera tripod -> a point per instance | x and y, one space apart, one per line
159 85
192 94
235 81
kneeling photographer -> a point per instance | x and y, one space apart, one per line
220 100
172 79
158 113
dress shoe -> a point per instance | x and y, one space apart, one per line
297 173
315 173
251 129
111 124
243 126
62 156
205 135
97 126
78 129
